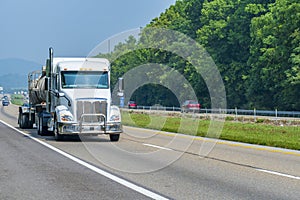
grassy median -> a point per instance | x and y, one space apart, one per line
17 99
260 131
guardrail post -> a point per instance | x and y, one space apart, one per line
254 112
236 113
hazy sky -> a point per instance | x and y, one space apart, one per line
71 27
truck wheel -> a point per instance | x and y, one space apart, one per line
57 135
42 130
19 119
39 127
21 123
31 122
114 137
24 121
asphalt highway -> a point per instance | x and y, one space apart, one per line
143 164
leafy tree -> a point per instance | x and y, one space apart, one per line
226 36
275 57
254 43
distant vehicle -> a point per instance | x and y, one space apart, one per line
5 102
190 106
132 105
5 98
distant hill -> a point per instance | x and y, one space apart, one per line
13 73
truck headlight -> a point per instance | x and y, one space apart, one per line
66 118
114 118
115 115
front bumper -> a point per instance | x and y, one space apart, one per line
90 128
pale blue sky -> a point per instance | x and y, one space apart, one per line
72 27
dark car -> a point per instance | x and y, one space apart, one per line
132 105
190 106
5 102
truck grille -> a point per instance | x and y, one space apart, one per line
91 107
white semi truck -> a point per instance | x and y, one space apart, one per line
71 96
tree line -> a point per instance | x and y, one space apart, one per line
255 45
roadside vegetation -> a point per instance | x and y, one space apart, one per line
284 134
17 99
254 44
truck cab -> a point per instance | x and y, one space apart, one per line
81 98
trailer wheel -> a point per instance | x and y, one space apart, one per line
114 137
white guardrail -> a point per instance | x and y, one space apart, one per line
237 112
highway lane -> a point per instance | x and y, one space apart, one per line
229 171
29 170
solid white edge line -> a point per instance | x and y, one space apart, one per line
279 174
159 147
119 180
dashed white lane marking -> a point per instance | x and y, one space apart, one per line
223 142
119 180
159 147
279 174
261 170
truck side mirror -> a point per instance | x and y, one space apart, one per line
121 87
121 84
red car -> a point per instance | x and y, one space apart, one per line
190 106
132 105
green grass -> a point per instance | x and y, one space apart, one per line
263 134
248 132
17 99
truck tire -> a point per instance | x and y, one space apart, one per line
39 126
57 135
42 130
19 120
24 121
31 122
30 125
114 137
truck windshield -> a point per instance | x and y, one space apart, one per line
84 79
